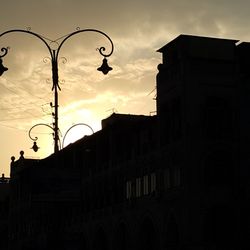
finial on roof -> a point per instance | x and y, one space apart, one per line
21 154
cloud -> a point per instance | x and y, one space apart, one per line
137 27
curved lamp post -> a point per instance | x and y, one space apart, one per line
54 54
61 145
34 139
78 124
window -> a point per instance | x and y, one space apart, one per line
138 187
129 190
145 185
141 186
153 182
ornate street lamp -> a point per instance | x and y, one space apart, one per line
54 54
34 139
2 68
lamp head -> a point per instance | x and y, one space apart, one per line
2 68
35 147
104 68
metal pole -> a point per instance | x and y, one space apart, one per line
55 88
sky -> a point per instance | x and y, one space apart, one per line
138 28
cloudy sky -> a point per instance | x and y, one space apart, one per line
137 28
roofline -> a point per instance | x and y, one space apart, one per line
193 36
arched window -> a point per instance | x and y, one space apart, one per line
147 236
171 234
121 238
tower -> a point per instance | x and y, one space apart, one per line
198 110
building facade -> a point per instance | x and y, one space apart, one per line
4 212
176 180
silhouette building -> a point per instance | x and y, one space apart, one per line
176 180
4 212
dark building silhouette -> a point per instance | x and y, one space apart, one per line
4 212
176 180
